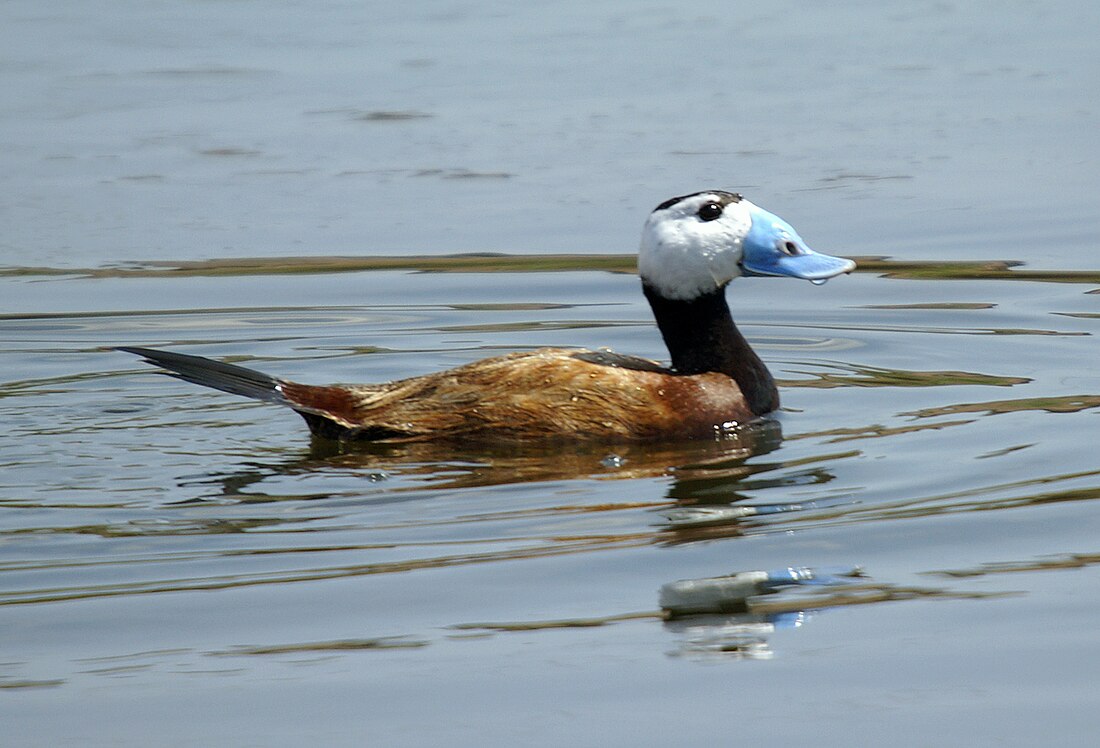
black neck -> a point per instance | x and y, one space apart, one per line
701 337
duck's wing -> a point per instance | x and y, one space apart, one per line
543 394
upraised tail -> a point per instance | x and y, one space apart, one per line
330 412
235 380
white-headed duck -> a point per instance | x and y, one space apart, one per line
692 247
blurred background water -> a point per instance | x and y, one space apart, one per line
175 129
180 567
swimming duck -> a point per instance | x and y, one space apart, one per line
692 247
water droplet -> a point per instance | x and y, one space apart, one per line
819 281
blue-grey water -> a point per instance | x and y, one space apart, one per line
180 567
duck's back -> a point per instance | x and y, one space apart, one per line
546 393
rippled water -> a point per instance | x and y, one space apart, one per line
181 567
178 548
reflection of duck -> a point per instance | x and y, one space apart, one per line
692 247
695 470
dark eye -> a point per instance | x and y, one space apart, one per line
789 248
710 211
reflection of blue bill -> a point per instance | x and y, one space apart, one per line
731 593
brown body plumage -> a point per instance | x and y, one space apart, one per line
543 394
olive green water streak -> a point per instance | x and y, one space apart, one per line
490 262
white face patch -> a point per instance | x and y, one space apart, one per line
684 255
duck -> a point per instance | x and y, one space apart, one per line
692 247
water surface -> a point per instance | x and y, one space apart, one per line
176 547
181 567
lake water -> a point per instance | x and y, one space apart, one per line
181 567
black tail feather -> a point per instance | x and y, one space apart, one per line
235 380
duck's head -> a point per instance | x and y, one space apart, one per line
695 244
